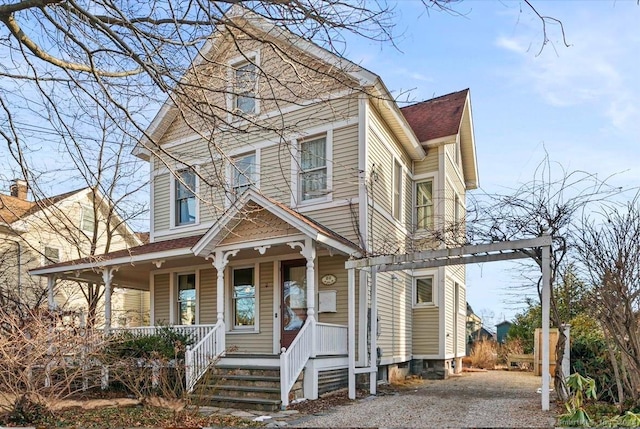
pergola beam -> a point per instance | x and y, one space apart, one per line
461 260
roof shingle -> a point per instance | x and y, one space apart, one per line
438 117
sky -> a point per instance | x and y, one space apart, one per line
578 103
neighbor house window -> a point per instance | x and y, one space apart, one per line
313 168
186 299
244 79
424 290
244 298
88 221
424 205
185 186
397 190
51 255
243 172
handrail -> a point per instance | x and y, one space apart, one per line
294 359
199 357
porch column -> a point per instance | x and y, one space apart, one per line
373 360
546 304
51 283
107 278
308 251
220 261
351 336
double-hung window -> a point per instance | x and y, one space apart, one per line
243 172
397 190
88 219
185 197
423 291
244 298
186 299
51 255
313 168
244 78
424 205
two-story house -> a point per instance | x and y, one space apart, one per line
254 214
54 229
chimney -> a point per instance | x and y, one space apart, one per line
19 189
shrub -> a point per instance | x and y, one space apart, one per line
484 355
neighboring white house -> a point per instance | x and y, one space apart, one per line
55 229
257 259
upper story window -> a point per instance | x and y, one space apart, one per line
185 197
244 83
244 298
186 299
51 255
424 205
313 168
88 219
244 172
397 190
423 291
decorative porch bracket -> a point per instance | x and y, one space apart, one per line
501 251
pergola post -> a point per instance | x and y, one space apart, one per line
351 335
546 304
373 361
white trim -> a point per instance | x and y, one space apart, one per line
197 280
152 298
362 323
457 171
428 357
441 140
263 242
442 325
43 258
230 322
173 226
152 200
419 274
250 57
172 298
182 231
229 173
326 206
277 317
395 359
425 177
397 223
296 197
397 164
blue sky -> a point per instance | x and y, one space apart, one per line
579 103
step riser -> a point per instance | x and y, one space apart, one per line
238 405
222 372
244 394
213 384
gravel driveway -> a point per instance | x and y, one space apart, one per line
476 399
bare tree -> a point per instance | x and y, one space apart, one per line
552 204
609 249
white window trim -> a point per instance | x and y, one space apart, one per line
45 261
397 164
176 295
296 196
249 57
173 221
434 286
85 208
229 304
229 172
414 208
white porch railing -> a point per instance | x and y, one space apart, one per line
195 332
331 339
199 357
293 359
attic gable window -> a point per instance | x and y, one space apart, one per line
244 85
185 197
244 172
88 219
313 168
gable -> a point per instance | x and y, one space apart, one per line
259 224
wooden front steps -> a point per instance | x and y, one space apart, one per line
243 386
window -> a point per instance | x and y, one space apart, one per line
244 80
424 205
313 168
185 186
88 220
186 299
51 255
424 290
243 172
397 190
244 298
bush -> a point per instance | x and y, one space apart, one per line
484 354
165 344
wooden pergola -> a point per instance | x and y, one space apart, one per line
501 251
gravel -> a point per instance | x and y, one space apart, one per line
476 399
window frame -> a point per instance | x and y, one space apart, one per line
434 288
250 58
298 171
178 301
47 260
232 301
416 207
84 211
174 206
234 173
396 190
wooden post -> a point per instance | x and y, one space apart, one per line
546 304
373 362
351 336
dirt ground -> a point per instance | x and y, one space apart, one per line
476 399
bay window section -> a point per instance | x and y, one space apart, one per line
244 298
424 205
313 168
186 299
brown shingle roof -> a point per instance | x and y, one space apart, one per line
13 209
438 117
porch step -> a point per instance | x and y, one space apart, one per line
243 386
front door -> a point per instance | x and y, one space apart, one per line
294 299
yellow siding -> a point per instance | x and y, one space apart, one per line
334 265
161 299
261 342
342 220
462 329
429 164
426 336
346 176
448 315
161 202
394 312
207 296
